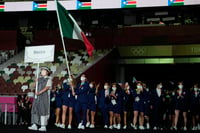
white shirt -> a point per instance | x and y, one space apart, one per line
158 92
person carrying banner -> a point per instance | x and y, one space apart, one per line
41 105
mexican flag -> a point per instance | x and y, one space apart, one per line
70 29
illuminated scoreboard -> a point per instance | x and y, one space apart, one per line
90 4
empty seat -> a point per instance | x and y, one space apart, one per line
24 87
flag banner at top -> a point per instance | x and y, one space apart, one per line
128 3
39 6
84 5
49 5
2 6
175 2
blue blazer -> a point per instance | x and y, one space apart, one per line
91 95
141 95
65 91
102 100
157 101
82 92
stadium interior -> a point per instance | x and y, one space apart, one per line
128 43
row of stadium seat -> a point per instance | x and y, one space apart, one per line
19 78
5 55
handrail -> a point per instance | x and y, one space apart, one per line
6 111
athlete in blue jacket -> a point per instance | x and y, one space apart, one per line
81 94
103 103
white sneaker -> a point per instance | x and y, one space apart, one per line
92 126
43 129
124 127
118 126
194 128
69 127
87 124
79 125
114 126
82 127
105 126
155 128
57 124
185 128
33 127
62 126
110 127
148 126
134 127
198 127
141 127
175 128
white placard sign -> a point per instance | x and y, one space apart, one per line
39 54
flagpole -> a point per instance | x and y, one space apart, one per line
37 76
62 38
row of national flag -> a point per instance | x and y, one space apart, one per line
133 3
42 5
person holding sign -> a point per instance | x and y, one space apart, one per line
41 105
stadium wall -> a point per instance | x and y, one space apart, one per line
127 36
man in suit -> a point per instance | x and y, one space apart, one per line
157 100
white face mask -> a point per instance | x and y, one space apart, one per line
180 86
114 88
91 85
139 86
69 79
105 87
160 86
83 78
44 73
128 87
195 89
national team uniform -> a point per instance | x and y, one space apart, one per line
103 104
81 102
68 98
92 99
195 102
116 103
157 103
181 100
127 101
138 100
147 103
58 98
